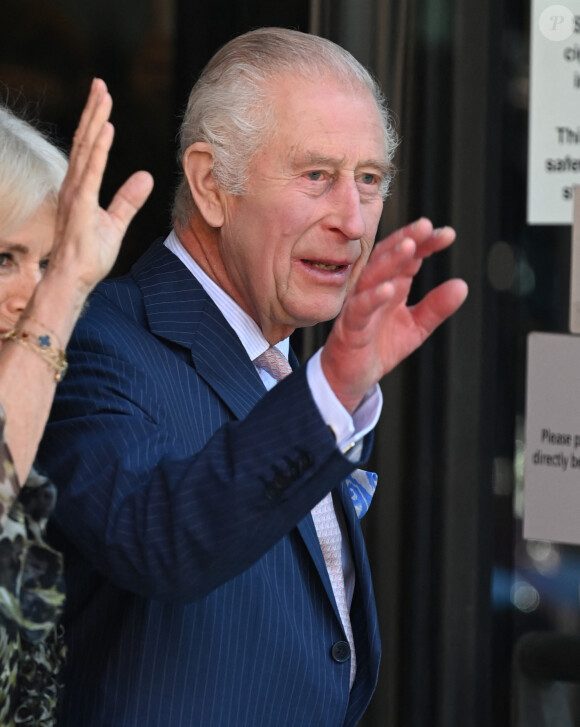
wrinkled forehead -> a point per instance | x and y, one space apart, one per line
317 117
294 100
279 84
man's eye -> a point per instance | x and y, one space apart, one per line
43 264
369 178
316 175
5 258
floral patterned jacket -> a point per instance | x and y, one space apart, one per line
31 599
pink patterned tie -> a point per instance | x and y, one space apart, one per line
324 516
274 362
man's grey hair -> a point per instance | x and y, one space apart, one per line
229 107
31 171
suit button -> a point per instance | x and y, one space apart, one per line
304 460
340 651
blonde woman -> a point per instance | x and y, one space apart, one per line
56 244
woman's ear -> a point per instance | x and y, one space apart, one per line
198 168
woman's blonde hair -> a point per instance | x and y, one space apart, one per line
31 170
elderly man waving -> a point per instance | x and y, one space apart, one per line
217 571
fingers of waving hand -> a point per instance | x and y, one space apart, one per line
397 266
376 329
92 144
351 358
427 239
129 199
383 287
400 255
95 113
385 282
438 305
87 160
88 237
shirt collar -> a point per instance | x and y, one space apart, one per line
246 328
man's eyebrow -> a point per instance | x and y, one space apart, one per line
314 159
380 164
6 246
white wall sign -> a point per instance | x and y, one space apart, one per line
554 111
552 459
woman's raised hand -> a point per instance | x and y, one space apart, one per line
88 237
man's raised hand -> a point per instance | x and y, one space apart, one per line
376 329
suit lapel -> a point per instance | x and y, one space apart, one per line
357 547
307 530
220 359
179 310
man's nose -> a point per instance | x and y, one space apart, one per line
348 210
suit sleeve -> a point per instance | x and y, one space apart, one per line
177 527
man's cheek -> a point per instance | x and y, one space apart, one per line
366 246
355 274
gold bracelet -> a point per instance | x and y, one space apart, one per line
27 317
42 345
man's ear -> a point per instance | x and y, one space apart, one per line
198 167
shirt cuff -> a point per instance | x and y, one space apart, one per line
348 430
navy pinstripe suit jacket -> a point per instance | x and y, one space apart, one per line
198 594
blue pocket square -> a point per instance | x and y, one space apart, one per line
361 485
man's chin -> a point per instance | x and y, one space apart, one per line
320 315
